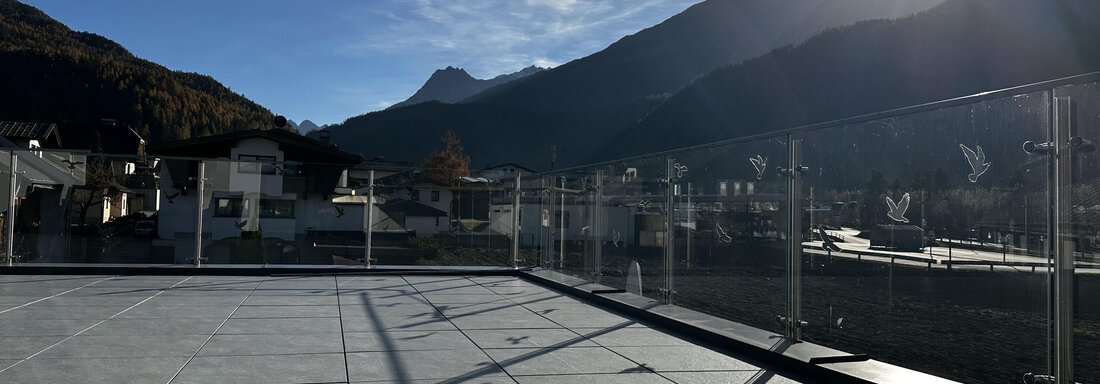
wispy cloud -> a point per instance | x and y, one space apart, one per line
491 37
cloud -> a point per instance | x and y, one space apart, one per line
491 37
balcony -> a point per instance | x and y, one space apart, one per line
952 241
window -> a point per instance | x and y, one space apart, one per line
277 209
228 207
269 209
414 195
256 164
435 195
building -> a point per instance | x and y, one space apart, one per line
265 184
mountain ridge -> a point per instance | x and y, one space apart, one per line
453 84
51 73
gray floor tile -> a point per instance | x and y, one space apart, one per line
460 366
19 347
68 301
589 320
438 299
560 361
479 380
396 323
406 341
291 300
605 378
94 371
194 301
630 337
546 308
467 289
527 338
754 377
4 363
315 368
154 327
503 308
278 311
126 346
293 292
683 358
273 344
491 321
33 327
284 325
177 312
60 313
393 309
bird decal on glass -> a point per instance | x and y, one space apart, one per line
72 164
339 210
978 166
722 235
761 164
171 197
644 205
897 210
239 224
680 169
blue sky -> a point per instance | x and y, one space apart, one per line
330 60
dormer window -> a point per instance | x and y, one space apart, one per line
256 164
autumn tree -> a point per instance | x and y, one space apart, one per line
448 164
100 185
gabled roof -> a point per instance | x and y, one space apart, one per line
410 208
513 165
30 131
295 147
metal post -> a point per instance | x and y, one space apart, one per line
561 229
669 251
794 240
599 228
10 227
1063 241
515 223
688 231
200 183
368 227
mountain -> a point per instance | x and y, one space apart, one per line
51 73
307 126
959 48
450 85
595 98
665 57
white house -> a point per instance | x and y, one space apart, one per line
271 184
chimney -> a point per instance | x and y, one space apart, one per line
325 135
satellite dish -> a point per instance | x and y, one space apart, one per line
280 121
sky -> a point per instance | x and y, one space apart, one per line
329 60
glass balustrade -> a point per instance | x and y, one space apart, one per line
958 239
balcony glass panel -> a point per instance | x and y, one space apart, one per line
730 224
925 243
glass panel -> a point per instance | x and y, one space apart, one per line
921 224
176 201
233 226
5 217
1085 211
634 208
730 238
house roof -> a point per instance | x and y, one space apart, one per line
514 165
295 147
31 131
410 208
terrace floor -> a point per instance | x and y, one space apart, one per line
320 329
